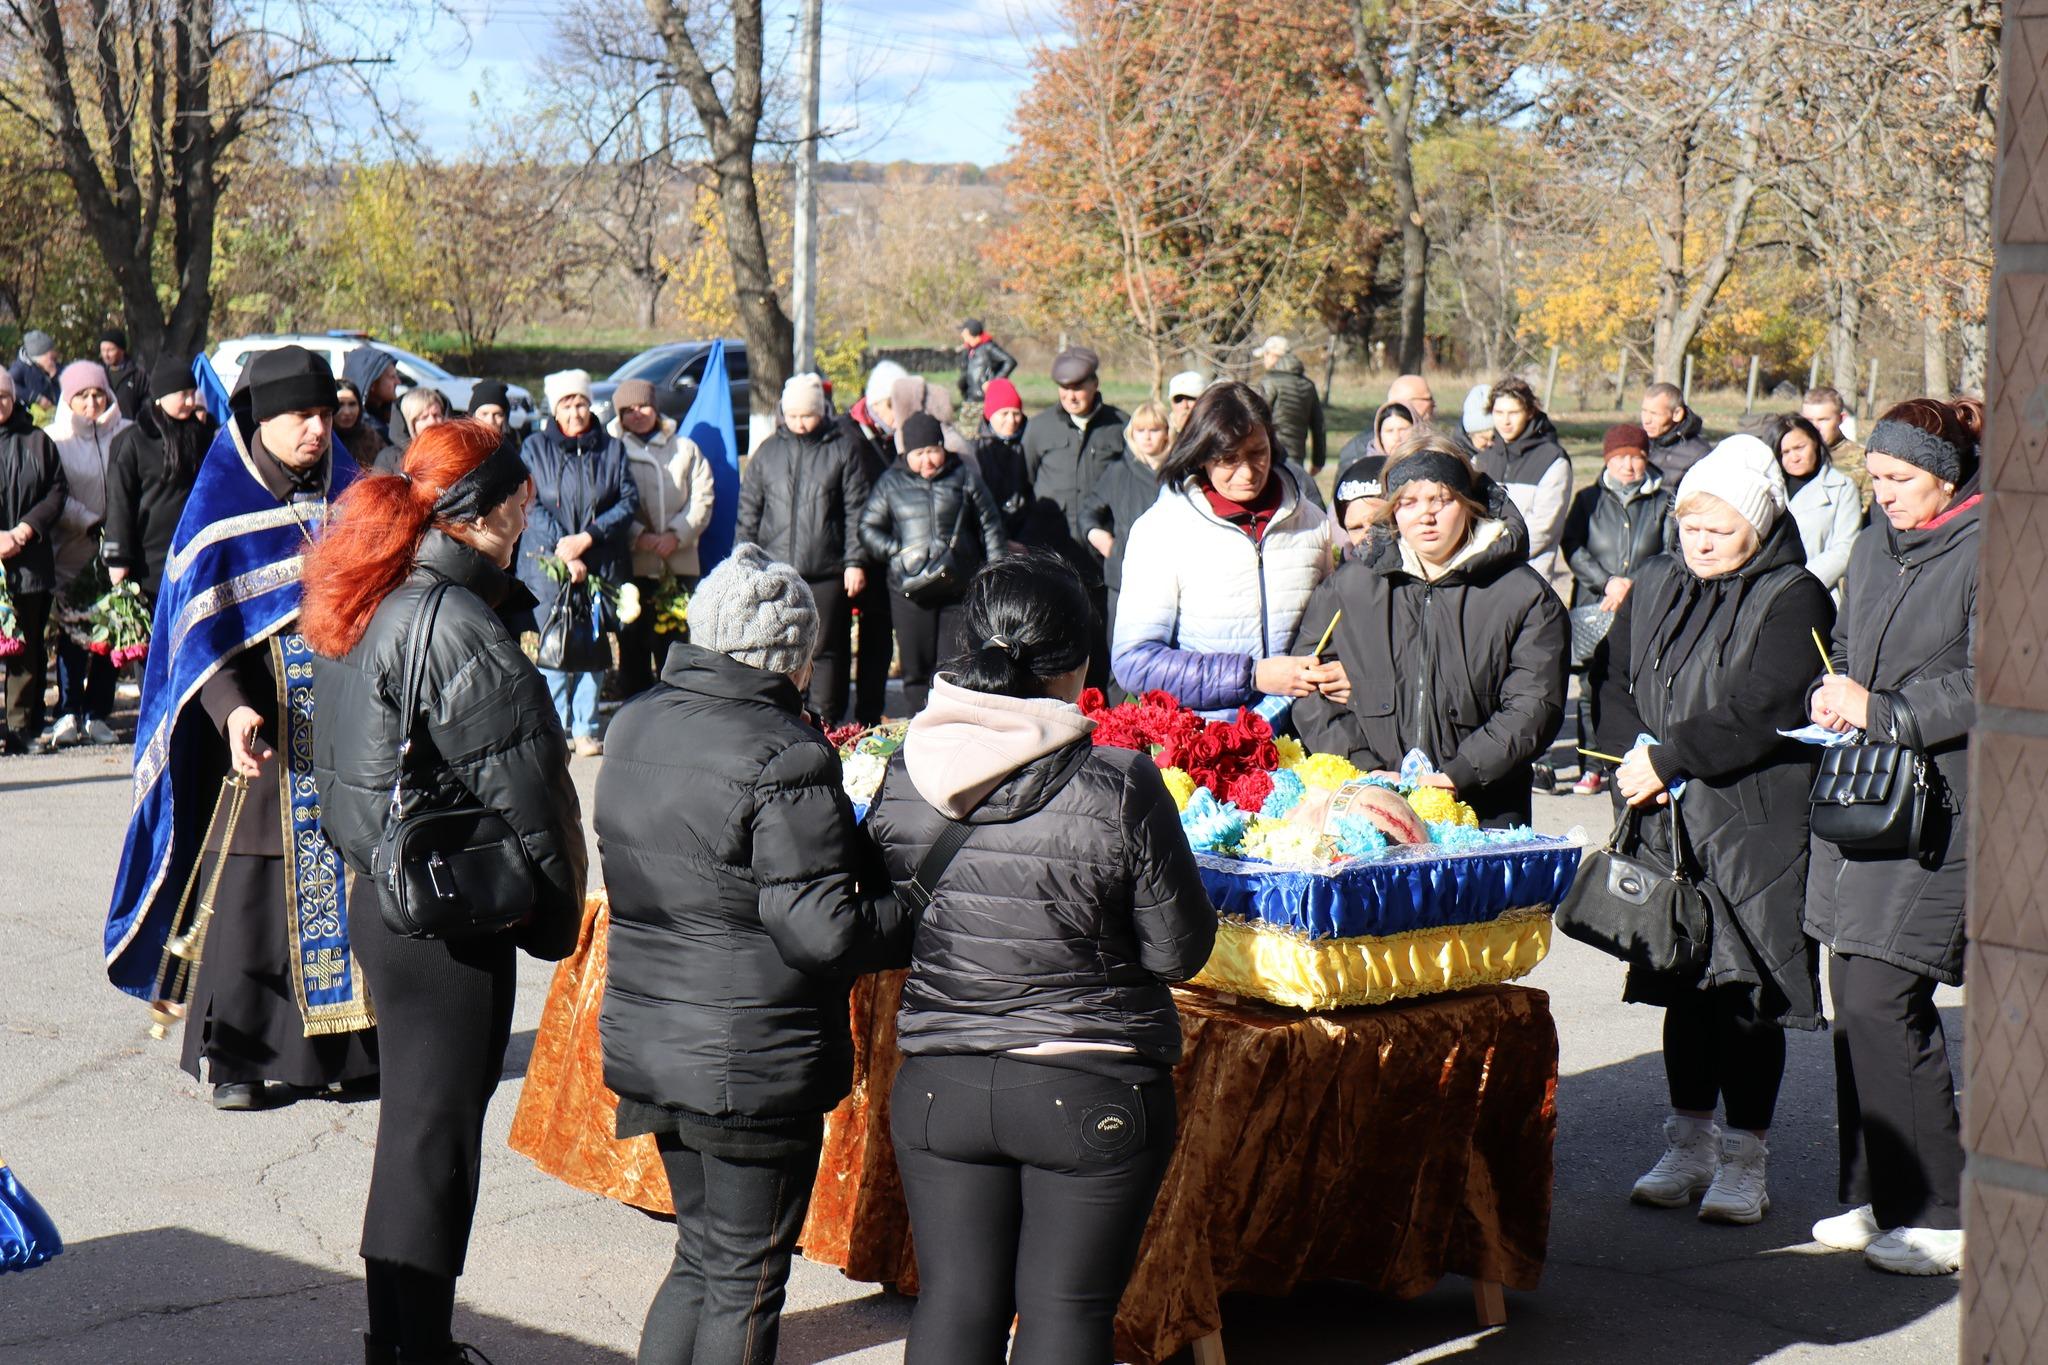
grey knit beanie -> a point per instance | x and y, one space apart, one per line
35 344
757 611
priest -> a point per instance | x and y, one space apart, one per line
279 1008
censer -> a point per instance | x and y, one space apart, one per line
186 945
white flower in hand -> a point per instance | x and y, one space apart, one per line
629 604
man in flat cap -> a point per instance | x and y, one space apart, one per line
1067 448
279 1007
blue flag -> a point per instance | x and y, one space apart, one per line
709 424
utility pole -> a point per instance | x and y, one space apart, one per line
804 281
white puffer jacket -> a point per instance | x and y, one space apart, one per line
1829 511
1201 604
85 448
677 494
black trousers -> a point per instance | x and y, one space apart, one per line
85 682
1716 1048
827 697
244 1021
641 650
877 650
1029 1187
27 672
444 1016
925 638
736 1227
1895 1100
1098 649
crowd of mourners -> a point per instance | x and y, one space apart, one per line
1447 592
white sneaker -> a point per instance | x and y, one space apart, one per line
1851 1231
99 732
1917 1251
68 732
1738 1194
1691 1153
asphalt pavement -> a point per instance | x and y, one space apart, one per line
195 1237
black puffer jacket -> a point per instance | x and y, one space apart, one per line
981 362
1065 462
1679 449
1610 534
32 492
909 518
1908 632
801 499
1071 906
1001 466
1714 668
1469 668
1123 494
149 476
738 913
1297 412
489 732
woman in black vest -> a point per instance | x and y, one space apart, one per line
1904 646
1034 1113
1713 648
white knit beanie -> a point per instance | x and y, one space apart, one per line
803 393
563 384
1478 414
757 611
882 380
1742 472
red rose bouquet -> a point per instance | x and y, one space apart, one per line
1234 759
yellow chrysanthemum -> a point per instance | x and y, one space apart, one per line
1327 771
1277 841
1290 749
1180 785
1436 805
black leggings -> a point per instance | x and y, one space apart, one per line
1716 1048
1029 1187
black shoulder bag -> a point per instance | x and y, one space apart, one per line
939 579
455 872
1871 798
1653 917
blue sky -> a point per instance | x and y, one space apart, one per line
920 80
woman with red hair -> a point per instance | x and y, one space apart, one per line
485 731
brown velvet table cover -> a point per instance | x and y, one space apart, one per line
1387 1146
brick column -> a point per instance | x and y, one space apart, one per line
2005 1104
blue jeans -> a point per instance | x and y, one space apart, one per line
575 697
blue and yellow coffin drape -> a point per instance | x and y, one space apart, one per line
1415 921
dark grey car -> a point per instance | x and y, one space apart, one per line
675 368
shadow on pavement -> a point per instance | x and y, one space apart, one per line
173 1297
1629 1284
23 782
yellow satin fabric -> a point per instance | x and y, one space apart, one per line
1285 968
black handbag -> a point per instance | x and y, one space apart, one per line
571 638
1871 798
939 580
453 872
1627 906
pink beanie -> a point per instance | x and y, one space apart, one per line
79 376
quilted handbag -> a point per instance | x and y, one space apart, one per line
1871 798
1629 907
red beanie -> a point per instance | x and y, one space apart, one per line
1000 394
1627 436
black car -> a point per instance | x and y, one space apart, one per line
674 368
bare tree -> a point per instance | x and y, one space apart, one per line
723 76
144 101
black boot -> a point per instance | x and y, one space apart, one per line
376 1352
454 1353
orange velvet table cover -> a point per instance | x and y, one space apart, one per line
1387 1146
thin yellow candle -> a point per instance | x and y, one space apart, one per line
1825 661
1328 631
1604 758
